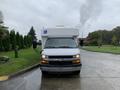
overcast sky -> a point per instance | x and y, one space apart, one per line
22 14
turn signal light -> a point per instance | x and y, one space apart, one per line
76 61
44 62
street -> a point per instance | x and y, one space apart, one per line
100 71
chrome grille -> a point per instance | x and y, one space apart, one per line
60 62
59 57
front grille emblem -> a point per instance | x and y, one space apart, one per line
58 60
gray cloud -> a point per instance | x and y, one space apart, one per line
22 14
89 10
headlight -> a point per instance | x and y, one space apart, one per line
77 61
77 56
43 56
43 60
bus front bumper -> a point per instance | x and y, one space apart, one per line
61 69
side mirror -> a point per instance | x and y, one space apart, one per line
34 44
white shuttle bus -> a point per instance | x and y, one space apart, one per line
60 51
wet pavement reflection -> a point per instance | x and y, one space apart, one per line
27 81
60 82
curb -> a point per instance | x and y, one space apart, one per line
7 77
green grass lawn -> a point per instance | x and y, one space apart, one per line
27 57
104 49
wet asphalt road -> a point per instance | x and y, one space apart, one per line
99 72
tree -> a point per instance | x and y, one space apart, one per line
93 38
4 35
100 39
21 42
29 38
6 41
1 17
1 26
18 43
25 41
116 32
13 39
103 37
32 33
99 42
114 40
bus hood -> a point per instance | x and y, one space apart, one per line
61 51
